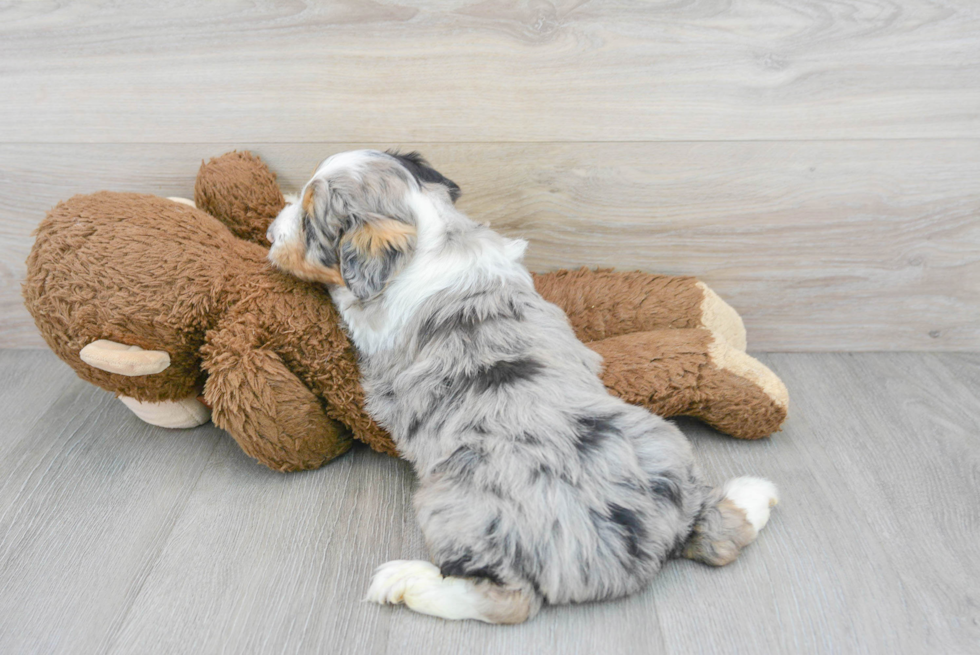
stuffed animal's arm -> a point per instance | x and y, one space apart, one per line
604 303
272 415
692 372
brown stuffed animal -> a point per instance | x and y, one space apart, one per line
159 302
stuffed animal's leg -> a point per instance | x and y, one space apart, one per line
604 303
691 372
272 415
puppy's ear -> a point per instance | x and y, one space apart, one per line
372 251
320 232
318 200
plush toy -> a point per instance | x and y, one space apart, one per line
160 302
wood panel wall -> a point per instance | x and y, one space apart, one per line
817 163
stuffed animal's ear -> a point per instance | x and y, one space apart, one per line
239 190
372 251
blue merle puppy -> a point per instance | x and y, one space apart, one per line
535 485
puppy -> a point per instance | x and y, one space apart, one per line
535 485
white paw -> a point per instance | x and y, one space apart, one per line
394 580
755 496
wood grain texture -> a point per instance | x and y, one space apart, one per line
117 537
88 495
422 70
903 434
869 245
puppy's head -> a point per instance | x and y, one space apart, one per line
354 224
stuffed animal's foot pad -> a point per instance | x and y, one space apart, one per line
185 413
728 358
721 319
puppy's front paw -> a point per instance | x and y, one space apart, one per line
392 580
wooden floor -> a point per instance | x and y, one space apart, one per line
119 537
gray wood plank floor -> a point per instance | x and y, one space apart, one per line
117 537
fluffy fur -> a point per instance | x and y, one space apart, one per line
536 485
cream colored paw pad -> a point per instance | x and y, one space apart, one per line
737 362
721 319
186 413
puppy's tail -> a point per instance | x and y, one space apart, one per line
731 519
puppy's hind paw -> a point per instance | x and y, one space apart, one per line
392 580
755 496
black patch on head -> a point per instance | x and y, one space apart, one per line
463 567
630 527
591 431
423 173
504 373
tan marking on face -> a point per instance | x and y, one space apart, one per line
378 236
290 257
